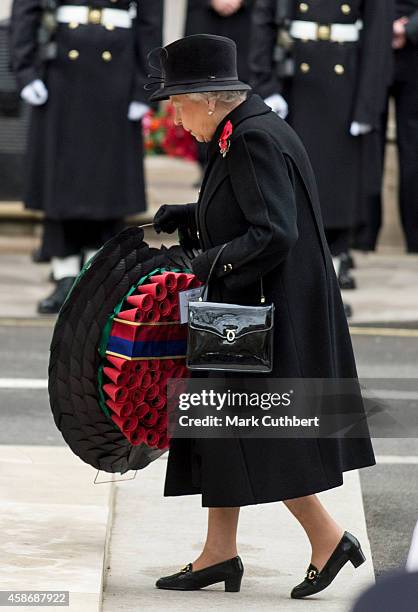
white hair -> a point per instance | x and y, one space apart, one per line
225 97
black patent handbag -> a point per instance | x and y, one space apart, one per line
229 337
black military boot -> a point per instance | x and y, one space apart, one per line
348 549
52 304
186 579
345 280
38 256
348 311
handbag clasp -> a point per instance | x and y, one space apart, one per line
230 335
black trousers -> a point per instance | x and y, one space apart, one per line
73 236
338 240
404 91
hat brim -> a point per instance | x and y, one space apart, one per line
163 93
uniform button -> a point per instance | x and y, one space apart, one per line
95 16
303 7
346 9
106 56
304 67
198 234
110 27
73 25
73 54
339 69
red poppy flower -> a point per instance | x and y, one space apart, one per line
224 142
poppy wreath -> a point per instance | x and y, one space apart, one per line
81 363
144 345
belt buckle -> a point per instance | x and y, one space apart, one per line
323 31
95 16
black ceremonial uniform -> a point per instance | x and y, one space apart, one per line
85 156
334 84
203 19
404 90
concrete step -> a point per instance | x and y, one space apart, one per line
54 524
154 536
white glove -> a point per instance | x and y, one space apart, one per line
278 104
35 93
359 129
137 110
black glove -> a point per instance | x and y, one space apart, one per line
169 217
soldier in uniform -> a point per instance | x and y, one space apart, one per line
86 88
333 79
230 18
404 90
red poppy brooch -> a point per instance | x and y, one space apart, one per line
224 141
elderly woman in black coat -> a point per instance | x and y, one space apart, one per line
259 198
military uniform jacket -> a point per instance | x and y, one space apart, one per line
203 19
334 84
261 200
84 155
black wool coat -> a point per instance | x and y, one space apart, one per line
85 158
261 200
334 84
203 19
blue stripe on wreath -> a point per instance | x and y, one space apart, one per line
146 349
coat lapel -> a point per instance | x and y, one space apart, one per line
216 169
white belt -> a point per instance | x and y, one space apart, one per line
85 14
335 32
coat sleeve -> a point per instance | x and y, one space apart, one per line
188 231
375 62
24 25
148 29
263 188
263 35
412 28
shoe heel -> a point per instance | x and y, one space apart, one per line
357 557
233 584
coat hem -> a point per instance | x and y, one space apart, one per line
209 503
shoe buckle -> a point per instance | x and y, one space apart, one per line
185 568
311 574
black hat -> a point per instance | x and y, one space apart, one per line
198 63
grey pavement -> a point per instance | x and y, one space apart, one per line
151 535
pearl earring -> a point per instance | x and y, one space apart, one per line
210 112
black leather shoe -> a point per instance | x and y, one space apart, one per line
186 579
346 281
38 256
348 549
348 311
347 261
52 304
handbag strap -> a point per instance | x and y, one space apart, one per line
204 295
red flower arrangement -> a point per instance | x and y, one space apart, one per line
224 142
163 137
144 349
